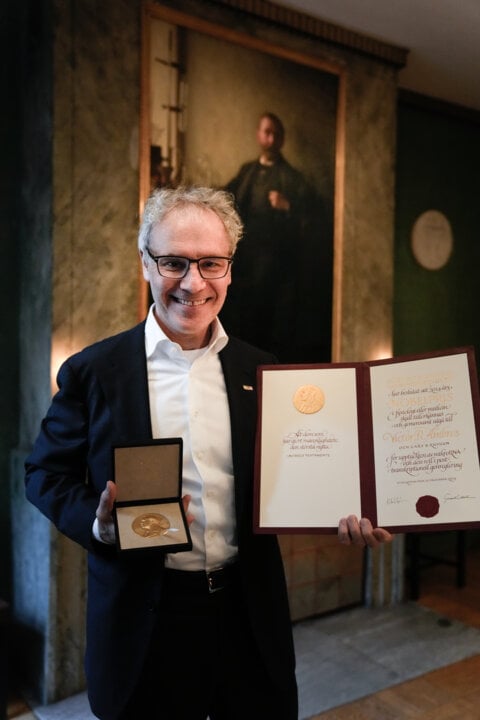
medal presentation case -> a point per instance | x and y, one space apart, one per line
149 510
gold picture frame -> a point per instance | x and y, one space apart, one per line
307 91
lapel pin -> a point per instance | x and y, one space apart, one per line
247 387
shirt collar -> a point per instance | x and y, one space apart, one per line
156 338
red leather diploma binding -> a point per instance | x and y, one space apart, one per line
393 440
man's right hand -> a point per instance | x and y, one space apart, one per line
278 201
105 524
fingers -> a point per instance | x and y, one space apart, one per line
107 500
278 200
352 531
343 533
186 501
382 535
106 527
374 537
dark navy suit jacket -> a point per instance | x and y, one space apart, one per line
103 401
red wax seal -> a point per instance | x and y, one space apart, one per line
427 506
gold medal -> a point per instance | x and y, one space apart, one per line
151 525
309 399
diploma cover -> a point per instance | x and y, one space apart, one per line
393 440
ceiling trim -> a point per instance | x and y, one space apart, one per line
321 29
442 107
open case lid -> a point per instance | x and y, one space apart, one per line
149 513
144 471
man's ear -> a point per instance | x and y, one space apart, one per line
144 261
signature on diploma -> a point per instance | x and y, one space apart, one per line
395 500
451 496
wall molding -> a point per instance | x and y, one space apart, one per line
435 105
320 29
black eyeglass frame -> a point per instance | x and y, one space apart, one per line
189 261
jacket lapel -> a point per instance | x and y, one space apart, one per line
123 376
240 381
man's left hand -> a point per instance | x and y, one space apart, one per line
352 531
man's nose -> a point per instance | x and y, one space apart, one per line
192 279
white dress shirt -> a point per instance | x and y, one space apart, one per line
188 399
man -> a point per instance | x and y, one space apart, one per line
269 187
277 207
205 632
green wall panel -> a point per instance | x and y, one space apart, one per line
438 168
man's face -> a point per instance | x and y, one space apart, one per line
186 307
269 137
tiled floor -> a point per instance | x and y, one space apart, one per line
448 693
18 709
349 655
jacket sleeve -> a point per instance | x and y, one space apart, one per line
57 477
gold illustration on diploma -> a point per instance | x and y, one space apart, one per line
309 399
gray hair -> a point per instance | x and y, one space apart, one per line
166 200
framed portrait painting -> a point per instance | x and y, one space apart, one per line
264 121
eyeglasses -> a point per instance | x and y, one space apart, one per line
174 266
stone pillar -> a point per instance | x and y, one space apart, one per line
365 263
79 281
384 574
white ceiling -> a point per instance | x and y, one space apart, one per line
442 36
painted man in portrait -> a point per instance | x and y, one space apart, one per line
276 203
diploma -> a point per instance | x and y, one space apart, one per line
394 440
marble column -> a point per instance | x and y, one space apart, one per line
79 281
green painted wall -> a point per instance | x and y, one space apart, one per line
438 168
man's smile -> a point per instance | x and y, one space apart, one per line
190 303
